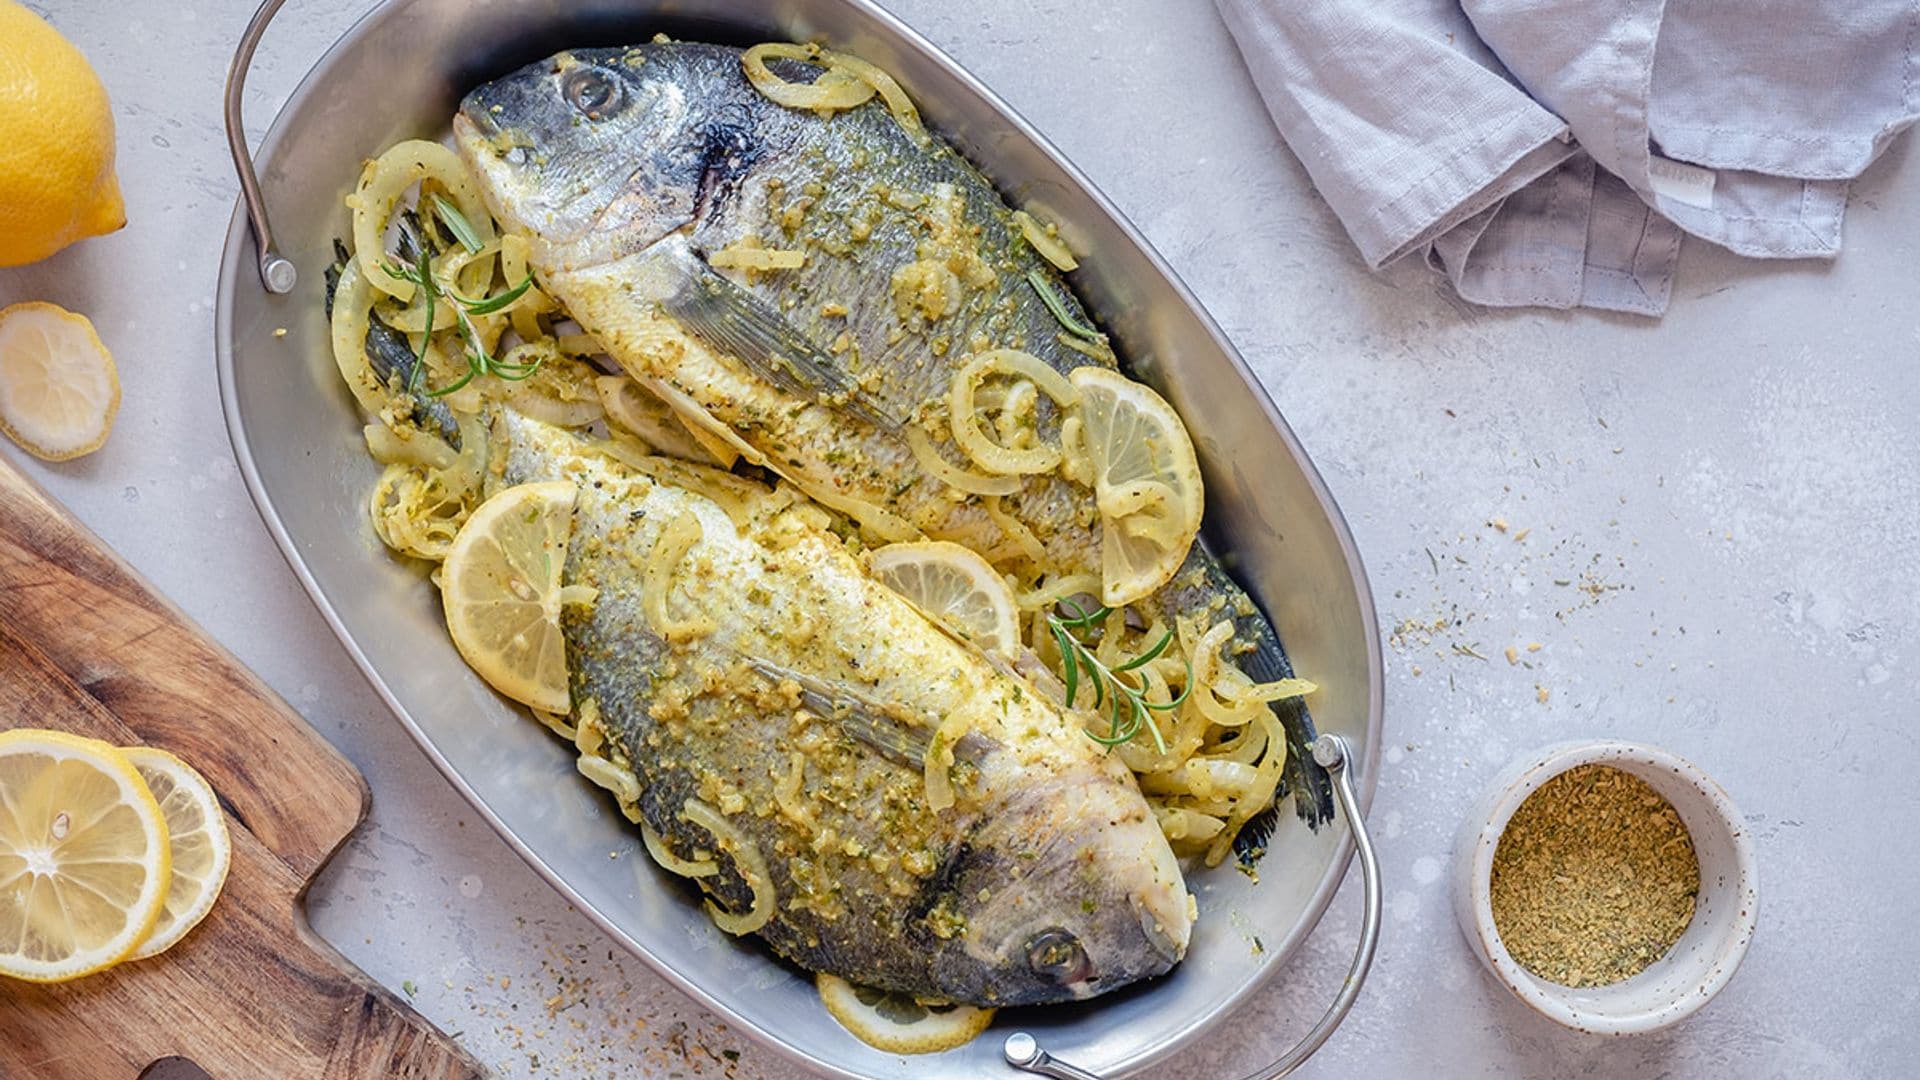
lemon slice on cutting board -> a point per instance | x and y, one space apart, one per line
59 389
897 1023
197 838
953 586
1146 481
85 862
503 595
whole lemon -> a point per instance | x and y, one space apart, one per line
56 159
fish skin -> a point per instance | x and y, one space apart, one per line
687 147
390 355
1049 837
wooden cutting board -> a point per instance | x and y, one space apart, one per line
87 646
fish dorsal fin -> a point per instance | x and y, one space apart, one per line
728 317
867 721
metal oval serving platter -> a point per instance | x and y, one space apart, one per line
399 73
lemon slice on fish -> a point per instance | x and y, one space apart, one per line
59 390
1146 481
503 596
953 586
84 856
197 838
897 1023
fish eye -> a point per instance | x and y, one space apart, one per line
591 91
1057 956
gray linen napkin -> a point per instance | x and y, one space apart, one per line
1550 152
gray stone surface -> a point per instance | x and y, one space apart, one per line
1724 541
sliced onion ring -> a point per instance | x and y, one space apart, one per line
963 411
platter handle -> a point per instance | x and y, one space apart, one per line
1024 1052
276 272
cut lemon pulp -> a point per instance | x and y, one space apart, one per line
953 586
897 1023
197 835
84 857
503 596
1146 481
59 390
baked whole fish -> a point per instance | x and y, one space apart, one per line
799 701
634 168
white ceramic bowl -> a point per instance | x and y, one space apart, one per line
1699 964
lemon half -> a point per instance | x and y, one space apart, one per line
896 1023
1146 482
85 862
501 588
953 586
197 838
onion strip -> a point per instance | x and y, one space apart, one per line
352 307
962 411
1277 690
830 92
1051 593
787 790
407 446
877 520
388 177
688 868
1205 654
898 103
724 443
672 545
1024 542
1048 244
939 762
516 253
743 257
605 774
953 475
1266 781
747 861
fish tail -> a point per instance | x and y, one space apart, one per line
1303 778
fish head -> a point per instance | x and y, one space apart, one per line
598 153
1067 893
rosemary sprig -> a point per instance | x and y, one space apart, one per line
480 360
1059 309
457 223
1124 701
425 271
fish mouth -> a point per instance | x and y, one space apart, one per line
476 121
1168 948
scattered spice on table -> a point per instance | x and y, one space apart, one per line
1594 879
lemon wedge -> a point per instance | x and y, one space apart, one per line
953 586
84 856
197 838
59 390
501 588
896 1023
1146 482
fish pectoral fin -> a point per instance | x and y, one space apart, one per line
861 718
726 316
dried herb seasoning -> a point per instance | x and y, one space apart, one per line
1594 879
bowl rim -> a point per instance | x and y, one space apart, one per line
239 259
1488 822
